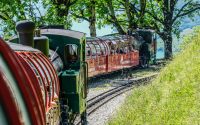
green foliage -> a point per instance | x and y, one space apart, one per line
172 98
12 11
58 12
165 16
162 15
168 14
129 13
52 17
81 11
120 13
189 37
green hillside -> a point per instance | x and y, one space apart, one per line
173 98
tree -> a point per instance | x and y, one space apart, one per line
112 16
86 10
124 14
12 11
63 6
165 17
58 12
135 11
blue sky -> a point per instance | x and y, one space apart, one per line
84 27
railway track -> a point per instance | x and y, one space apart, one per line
96 102
99 100
124 73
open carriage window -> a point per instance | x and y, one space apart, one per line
71 53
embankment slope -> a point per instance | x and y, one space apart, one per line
172 98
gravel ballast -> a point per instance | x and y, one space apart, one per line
102 115
105 112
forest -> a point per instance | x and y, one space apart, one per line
163 16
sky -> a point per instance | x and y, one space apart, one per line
84 27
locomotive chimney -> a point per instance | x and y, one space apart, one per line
41 42
25 31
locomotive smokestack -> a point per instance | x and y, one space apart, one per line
25 31
41 43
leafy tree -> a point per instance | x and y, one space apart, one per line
114 16
58 12
165 17
135 10
86 10
63 6
124 14
12 11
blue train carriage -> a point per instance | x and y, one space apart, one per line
70 45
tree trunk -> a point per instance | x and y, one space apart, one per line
168 47
63 11
128 13
142 7
118 26
114 19
92 19
167 39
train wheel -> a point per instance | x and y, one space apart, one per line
84 118
144 62
64 110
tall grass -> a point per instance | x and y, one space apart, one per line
171 99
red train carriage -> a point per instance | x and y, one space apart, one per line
29 86
111 53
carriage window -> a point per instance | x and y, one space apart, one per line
71 53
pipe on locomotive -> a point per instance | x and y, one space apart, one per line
41 43
26 30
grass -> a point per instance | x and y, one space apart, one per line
171 99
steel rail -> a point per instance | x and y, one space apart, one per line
110 94
98 101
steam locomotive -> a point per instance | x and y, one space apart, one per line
44 72
43 78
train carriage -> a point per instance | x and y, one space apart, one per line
111 53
